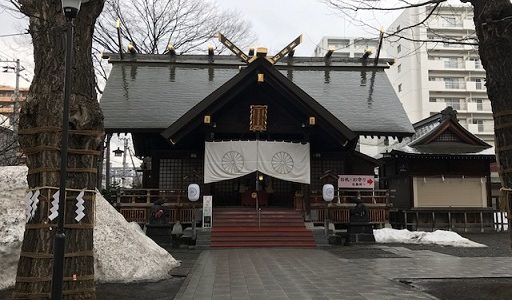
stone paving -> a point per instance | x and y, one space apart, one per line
318 274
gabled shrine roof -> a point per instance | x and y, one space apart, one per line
151 92
442 135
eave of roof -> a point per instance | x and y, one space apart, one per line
450 124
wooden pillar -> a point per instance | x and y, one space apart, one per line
450 220
433 220
306 196
481 221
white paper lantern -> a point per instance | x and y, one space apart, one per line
328 192
193 192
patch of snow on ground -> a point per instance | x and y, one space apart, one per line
123 253
438 237
13 182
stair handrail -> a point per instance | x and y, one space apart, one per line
258 211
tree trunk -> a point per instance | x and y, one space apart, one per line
493 26
40 139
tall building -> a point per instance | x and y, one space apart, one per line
7 100
345 46
428 77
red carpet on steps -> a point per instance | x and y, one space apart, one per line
238 227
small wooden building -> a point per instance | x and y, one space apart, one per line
179 107
441 175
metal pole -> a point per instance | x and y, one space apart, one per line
60 236
107 163
16 98
124 161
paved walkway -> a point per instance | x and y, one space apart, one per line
317 274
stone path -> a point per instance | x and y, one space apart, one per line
318 274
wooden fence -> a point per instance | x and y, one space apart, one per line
456 219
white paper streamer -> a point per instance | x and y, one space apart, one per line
55 207
28 205
80 207
35 201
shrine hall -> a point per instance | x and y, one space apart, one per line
271 129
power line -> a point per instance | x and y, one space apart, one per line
13 34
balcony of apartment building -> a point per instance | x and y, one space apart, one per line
463 105
447 85
479 106
455 64
477 85
480 127
448 46
442 22
457 84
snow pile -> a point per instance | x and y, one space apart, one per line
13 182
438 237
123 253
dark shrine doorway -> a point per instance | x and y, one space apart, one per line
272 192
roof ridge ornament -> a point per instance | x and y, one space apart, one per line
448 113
226 42
245 58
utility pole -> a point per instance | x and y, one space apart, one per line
16 98
125 139
17 70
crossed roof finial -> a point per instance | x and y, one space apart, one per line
245 58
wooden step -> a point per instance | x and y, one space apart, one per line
263 244
264 233
242 227
256 229
260 238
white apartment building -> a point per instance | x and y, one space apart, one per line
431 76
346 46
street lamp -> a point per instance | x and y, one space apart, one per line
70 9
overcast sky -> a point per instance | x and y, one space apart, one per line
274 22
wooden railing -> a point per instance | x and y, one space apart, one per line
341 215
148 196
135 204
370 197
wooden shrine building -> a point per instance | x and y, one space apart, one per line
441 175
235 127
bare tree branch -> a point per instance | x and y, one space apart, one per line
151 25
346 6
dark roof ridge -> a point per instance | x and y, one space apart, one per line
383 63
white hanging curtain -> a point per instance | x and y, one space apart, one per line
228 160
286 161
